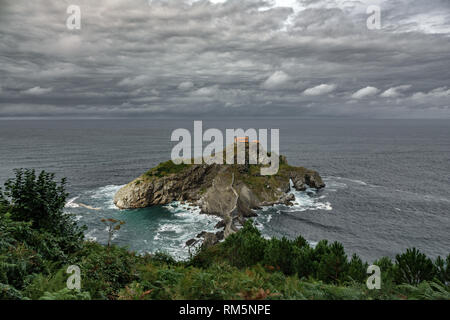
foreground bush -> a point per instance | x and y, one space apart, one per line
413 267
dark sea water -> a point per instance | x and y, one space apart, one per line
388 181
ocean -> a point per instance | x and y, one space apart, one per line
388 181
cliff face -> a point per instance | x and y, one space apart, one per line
210 187
163 187
228 191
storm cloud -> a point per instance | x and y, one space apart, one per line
282 58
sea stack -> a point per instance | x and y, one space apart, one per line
231 192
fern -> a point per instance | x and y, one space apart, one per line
427 291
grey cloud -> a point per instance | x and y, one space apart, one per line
186 85
320 89
239 57
37 91
278 80
365 92
395 92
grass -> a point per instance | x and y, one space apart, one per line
165 169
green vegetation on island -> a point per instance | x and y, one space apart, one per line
38 241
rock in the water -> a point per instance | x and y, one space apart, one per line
191 242
231 192
220 225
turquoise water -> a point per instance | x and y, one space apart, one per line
162 228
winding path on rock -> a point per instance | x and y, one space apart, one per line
229 227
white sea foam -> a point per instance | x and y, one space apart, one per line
170 227
304 201
307 200
334 183
106 196
71 203
172 235
90 235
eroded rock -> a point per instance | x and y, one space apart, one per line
231 192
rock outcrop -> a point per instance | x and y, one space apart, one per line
231 192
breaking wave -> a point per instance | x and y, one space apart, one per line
308 200
157 229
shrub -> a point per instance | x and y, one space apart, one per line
281 254
66 294
40 200
304 262
321 250
164 258
201 285
17 264
357 270
245 248
166 168
205 257
134 291
333 266
387 270
41 284
8 292
105 270
413 267
301 242
443 269
426 291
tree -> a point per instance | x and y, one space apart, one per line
113 226
357 270
40 200
282 254
333 265
413 267
443 269
246 247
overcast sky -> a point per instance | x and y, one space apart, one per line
281 58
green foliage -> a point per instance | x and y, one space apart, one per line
442 268
301 242
200 284
134 291
357 270
105 270
36 236
112 226
305 266
19 258
8 292
40 200
427 291
387 270
41 284
244 248
316 290
164 258
166 168
66 294
281 254
333 266
413 267
17 264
